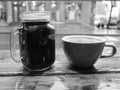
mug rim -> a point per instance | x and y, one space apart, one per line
94 37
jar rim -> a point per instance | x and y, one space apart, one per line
35 16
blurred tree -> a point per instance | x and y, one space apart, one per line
93 5
112 5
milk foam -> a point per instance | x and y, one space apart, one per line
83 39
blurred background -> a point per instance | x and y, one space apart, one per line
99 18
95 13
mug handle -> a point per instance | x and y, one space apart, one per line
13 34
112 54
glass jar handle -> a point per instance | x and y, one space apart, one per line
13 34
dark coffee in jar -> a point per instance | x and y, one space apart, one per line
37 45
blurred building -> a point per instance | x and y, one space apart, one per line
61 11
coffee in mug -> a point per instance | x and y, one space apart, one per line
83 51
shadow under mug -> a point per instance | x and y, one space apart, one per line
83 51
